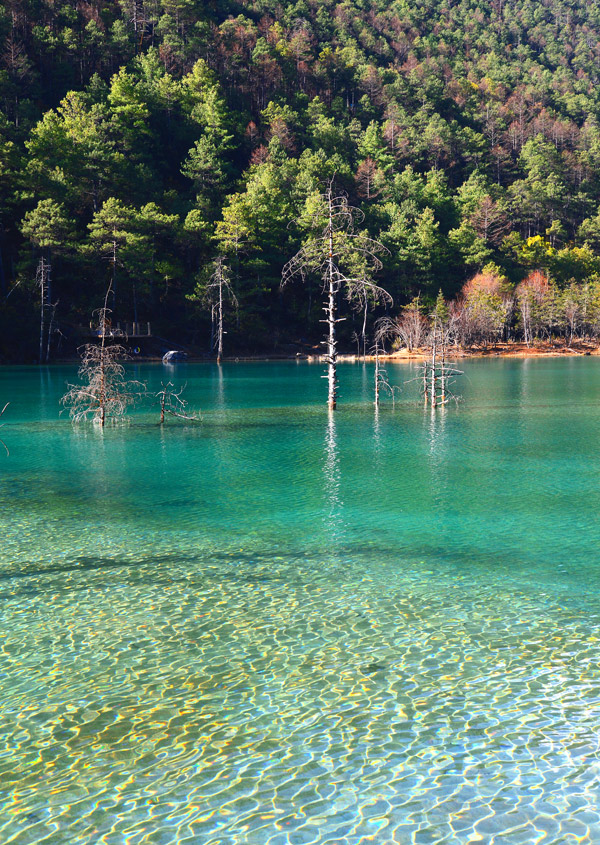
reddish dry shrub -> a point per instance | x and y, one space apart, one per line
482 309
536 285
260 155
486 282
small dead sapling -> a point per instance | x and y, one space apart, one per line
2 441
105 392
382 382
171 403
437 376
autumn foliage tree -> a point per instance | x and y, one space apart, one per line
485 304
369 179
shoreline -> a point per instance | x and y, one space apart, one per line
499 350
502 350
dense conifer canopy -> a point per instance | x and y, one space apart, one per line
140 140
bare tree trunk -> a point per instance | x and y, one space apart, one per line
105 393
433 371
113 283
377 375
443 367
103 369
322 254
50 330
212 327
220 346
331 349
171 403
364 329
42 283
102 361
331 320
438 376
526 317
218 293
43 280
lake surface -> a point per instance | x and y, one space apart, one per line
284 626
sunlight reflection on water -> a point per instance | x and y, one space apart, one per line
289 626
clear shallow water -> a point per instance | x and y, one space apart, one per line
281 627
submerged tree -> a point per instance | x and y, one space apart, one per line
170 402
344 260
2 441
437 376
386 328
105 393
382 382
218 294
42 279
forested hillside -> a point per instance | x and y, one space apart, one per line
141 140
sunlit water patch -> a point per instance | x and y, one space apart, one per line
286 627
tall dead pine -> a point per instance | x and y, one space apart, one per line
219 293
47 308
344 261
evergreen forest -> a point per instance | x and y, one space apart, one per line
145 142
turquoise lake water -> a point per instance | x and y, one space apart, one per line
283 627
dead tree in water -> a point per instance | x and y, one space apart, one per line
378 375
344 261
382 382
105 392
384 329
47 308
2 441
218 292
171 403
437 376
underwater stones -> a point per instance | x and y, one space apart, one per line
371 668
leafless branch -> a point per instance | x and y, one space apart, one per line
105 393
436 375
218 292
344 261
382 382
1 426
171 403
